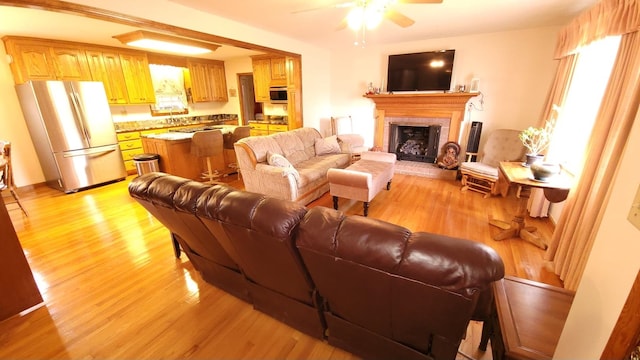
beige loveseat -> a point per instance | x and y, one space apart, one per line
290 165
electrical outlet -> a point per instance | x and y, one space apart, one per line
634 213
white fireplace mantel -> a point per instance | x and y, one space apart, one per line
440 105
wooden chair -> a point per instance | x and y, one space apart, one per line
6 176
207 144
482 176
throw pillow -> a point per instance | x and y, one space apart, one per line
328 145
278 160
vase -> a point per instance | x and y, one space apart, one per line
543 171
531 159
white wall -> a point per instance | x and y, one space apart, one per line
26 168
515 70
611 269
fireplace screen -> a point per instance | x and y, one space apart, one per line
414 143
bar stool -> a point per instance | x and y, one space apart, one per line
206 144
238 133
6 178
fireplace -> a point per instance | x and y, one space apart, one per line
414 142
446 110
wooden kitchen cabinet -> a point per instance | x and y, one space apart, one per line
293 68
276 128
130 145
258 129
124 73
70 63
278 72
41 60
176 158
197 83
105 67
218 82
137 77
261 79
294 108
268 71
207 81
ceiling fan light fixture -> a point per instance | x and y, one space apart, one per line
161 42
355 18
373 17
369 15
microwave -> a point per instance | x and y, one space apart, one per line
278 94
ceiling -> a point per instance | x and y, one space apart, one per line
450 18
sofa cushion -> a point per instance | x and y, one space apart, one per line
328 145
308 137
316 168
292 146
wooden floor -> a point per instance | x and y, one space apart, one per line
113 289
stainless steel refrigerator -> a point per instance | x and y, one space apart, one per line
72 130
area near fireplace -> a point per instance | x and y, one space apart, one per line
446 110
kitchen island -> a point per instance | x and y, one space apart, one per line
174 149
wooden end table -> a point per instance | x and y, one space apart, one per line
555 190
527 319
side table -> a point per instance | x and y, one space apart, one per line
527 318
555 190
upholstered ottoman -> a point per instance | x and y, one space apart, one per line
363 179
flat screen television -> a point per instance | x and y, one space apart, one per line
423 71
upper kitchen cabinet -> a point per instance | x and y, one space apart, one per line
207 81
293 70
106 67
46 60
274 71
278 72
219 81
137 77
261 78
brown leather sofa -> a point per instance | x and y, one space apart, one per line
370 287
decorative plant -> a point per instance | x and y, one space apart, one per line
537 140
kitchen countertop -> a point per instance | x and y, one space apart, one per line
174 136
271 119
141 127
163 123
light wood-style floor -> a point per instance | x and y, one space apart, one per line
113 289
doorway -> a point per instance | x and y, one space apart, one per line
249 108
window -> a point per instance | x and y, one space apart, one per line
168 86
578 113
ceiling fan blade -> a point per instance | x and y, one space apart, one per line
420 1
398 18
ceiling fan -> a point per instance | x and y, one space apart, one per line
370 13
